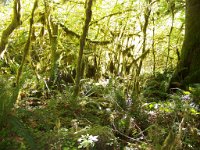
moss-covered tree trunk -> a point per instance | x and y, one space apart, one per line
52 27
28 43
188 69
82 45
12 26
54 53
144 30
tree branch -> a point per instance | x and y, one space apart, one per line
72 33
110 15
11 27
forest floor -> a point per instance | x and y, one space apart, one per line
106 116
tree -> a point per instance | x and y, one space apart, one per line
28 43
188 68
52 28
88 12
12 26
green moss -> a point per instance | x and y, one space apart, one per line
106 138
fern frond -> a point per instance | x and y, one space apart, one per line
20 129
8 97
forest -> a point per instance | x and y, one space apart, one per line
99 75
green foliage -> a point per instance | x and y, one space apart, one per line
7 142
155 87
93 90
106 138
120 99
156 134
170 119
8 97
87 141
107 108
195 90
19 128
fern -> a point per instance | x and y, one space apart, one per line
8 97
19 128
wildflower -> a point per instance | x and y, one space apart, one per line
87 141
186 97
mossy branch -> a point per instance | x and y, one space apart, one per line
110 15
173 140
72 33
28 43
12 26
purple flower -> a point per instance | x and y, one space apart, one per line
186 97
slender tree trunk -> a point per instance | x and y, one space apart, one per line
172 8
188 69
52 28
28 43
153 47
144 30
169 40
54 54
82 45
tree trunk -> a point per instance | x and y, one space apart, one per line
28 43
188 69
144 31
12 26
82 45
54 53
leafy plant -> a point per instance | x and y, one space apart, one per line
8 97
155 87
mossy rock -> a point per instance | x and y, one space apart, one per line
106 138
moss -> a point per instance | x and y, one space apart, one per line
106 138
12 26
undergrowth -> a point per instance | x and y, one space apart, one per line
106 115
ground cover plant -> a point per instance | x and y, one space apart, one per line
99 75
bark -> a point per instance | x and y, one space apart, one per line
188 68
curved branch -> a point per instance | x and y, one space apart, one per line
11 27
110 15
72 33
